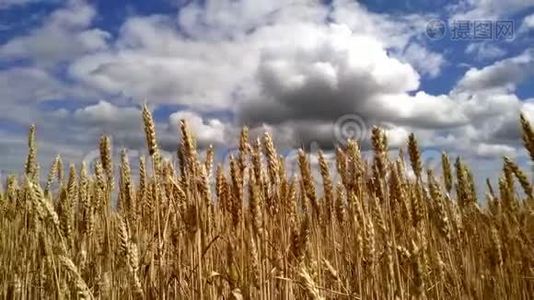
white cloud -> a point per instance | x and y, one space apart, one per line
23 85
106 113
485 51
63 36
397 136
527 25
492 151
207 131
222 19
22 89
297 78
423 60
394 31
504 74
153 61
274 65
487 9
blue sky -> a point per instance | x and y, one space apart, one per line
293 67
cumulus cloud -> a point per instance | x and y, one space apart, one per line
223 19
291 67
488 150
23 89
25 84
154 62
423 60
153 59
332 66
106 114
394 31
63 36
527 25
207 131
504 74
396 135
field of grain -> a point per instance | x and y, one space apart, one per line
387 230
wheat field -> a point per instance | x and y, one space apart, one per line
388 229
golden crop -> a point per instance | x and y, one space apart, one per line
378 233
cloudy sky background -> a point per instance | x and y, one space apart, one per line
293 67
